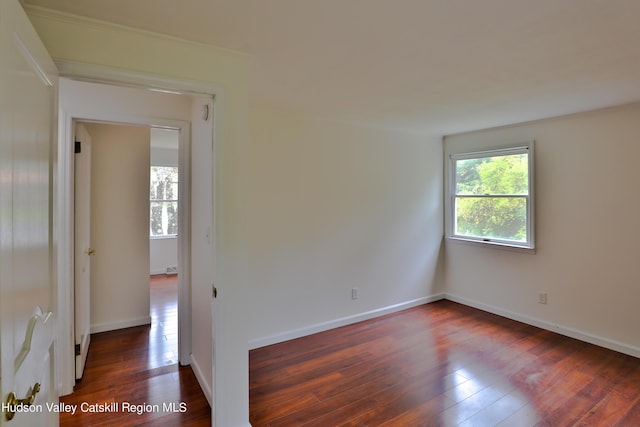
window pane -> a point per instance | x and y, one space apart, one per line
173 189
172 217
155 222
164 183
164 218
163 196
506 174
492 217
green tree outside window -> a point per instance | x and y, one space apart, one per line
491 196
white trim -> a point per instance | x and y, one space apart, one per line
65 262
494 245
507 150
112 326
343 321
126 78
47 78
184 245
122 77
95 73
549 326
450 157
160 271
533 321
204 385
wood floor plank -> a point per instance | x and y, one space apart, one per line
442 364
138 366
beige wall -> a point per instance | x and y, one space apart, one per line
119 226
333 207
587 204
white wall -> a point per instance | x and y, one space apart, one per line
587 204
163 156
334 207
320 208
119 226
163 254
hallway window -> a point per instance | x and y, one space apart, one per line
163 201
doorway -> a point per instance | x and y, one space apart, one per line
115 231
96 102
164 197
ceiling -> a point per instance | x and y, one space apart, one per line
427 66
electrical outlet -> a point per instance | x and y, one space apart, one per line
542 298
354 293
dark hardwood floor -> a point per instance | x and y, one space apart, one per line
442 364
138 366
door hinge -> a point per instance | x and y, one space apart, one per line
77 349
214 291
78 147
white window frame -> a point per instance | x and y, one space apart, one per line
450 206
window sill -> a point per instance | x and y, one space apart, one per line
172 236
493 245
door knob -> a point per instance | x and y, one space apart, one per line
13 402
90 251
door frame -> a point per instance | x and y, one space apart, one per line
82 175
64 210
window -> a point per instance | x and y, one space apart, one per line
163 201
491 196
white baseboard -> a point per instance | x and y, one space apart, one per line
205 384
549 326
331 324
112 326
533 321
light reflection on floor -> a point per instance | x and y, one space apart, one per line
163 336
480 398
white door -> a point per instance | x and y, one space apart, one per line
83 250
28 85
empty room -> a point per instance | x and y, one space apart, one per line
401 213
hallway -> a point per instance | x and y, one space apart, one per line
132 376
164 320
